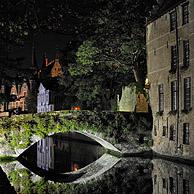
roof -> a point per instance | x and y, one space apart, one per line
163 8
46 71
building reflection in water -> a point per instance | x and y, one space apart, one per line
65 153
172 178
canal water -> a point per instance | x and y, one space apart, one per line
75 164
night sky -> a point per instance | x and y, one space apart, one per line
44 42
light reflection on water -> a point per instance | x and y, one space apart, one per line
66 152
169 177
132 175
62 153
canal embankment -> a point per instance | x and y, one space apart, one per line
129 134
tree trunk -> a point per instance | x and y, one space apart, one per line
138 75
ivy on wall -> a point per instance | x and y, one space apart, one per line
18 130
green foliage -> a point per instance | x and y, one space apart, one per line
125 177
112 55
115 125
85 58
6 159
21 179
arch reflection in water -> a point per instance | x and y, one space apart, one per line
61 153
169 177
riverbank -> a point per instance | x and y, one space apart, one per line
128 132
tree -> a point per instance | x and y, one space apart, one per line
119 36
111 35
114 55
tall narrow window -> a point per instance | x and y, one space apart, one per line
172 20
186 53
185 133
172 184
174 95
164 183
173 58
161 97
164 131
186 186
172 133
185 13
187 93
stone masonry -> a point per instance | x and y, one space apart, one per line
168 128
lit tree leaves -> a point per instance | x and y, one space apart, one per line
86 55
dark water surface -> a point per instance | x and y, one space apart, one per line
56 156
59 159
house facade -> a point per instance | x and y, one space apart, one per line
170 60
17 96
20 92
44 99
48 98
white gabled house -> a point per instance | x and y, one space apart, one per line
48 98
44 97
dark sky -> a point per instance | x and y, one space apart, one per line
44 42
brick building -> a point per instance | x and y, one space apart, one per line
170 60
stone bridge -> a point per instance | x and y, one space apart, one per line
108 146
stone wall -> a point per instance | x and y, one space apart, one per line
159 42
169 177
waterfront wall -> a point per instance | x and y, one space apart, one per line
169 177
172 120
